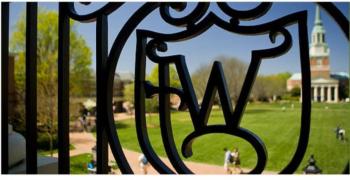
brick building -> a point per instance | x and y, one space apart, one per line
324 88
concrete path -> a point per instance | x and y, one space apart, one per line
83 142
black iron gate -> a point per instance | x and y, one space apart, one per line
148 43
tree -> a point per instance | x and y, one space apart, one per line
129 92
269 86
234 70
260 89
174 79
295 92
80 71
152 104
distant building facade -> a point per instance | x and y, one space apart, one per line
324 88
121 79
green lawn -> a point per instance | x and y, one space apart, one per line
78 163
277 128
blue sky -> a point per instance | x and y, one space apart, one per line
215 42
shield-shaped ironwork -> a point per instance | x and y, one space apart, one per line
195 23
149 42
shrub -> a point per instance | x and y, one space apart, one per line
295 92
44 141
152 105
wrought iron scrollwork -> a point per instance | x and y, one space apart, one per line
216 81
148 43
195 23
251 14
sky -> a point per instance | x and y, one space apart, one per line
215 42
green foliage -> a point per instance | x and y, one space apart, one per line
174 79
152 105
288 97
78 163
265 87
234 71
129 92
200 79
44 140
47 74
80 54
295 92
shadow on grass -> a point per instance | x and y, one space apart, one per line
257 111
78 163
121 125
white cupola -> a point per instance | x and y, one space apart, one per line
318 46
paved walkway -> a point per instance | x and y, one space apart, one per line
83 142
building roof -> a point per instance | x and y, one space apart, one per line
295 76
125 76
343 74
318 46
318 27
323 81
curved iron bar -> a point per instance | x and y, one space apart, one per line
344 24
306 94
113 58
165 121
251 14
257 56
91 17
153 90
186 21
140 95
337 16
164 105
110 126
187 92
253 139
207 22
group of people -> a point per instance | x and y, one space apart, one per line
231 164
232 161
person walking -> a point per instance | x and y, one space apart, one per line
236 161
227 161
341 134
337 132
143 162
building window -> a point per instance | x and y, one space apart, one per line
323 39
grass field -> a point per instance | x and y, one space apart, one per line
78 163
277 128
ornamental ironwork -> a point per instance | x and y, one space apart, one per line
149 44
